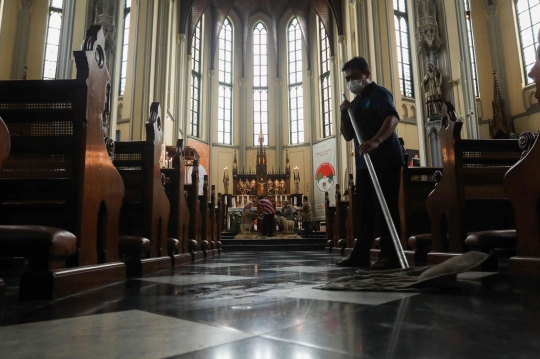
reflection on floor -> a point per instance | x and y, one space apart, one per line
263 305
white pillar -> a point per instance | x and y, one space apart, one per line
21 40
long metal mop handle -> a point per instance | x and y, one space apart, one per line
380 196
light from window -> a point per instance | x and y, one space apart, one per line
195 80
296 92
403 48
225 83
326 89
53 39
260 83
471 47
125 46
528 14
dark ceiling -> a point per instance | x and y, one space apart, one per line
329 11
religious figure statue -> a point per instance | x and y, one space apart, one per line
432 88
240 187
296 180
260 187
270 188
226 180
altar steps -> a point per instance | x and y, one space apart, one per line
315 243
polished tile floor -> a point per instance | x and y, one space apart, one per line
263 306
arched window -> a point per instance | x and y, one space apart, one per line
225 83
528 23
260 82
195 80
471 47
403 48
296 92
326 89
53 39
125 45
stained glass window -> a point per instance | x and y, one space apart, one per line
225 83
296 91
528 14
53 39
260 83
403 48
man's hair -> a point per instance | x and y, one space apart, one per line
305 197
356 63
261 197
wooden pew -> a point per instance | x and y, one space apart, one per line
59 173
352 210
522 185
219 222
329 214
145 209
192 192
213 220
179 215
206 229
340 232
5 146
470 195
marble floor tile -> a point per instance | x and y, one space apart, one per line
129 334
307 269
365 298
219 265
264 348
194 279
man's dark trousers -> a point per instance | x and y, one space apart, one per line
268 225
370 216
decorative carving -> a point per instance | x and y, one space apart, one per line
427 29
501 126
526 141
25 72
110 146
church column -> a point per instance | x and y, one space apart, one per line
209 126
243 133
361 28
180 88
343 160
144 67
469 105
65 62
497 56
21 40
312 135
279 134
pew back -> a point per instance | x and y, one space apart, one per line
59 172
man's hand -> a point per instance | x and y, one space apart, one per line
368 146
345 105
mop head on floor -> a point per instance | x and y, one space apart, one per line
416 279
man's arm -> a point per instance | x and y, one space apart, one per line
387 129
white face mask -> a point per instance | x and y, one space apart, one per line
356 86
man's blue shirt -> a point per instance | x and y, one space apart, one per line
370 110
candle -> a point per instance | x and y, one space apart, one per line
294 200
225 200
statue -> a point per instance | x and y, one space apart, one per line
427 29
226 180
270 188
296 179
240 187
432 88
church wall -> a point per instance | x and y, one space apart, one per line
7 37
479 19
36 40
